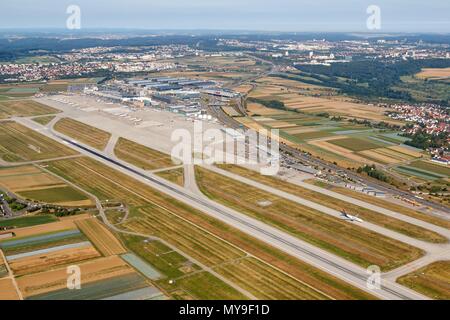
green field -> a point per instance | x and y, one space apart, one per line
29 247
355 144
27 221
435 168
432 280
418 173
196 234
313 135
354 243
18 143
54 195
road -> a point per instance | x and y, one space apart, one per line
319 258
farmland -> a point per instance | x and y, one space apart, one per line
46 260
432 280
349 241
39 256
18 143
386 204
340 141
84 133
42 242
7 290
102 238
27 221
141 156
193 232
53 280
434 73
24 108
336 204
434 168
30 182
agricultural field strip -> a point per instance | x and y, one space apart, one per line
100 289
325 210
208 232
38 239
251 178
11 276
102 238
142 266
56 279
48 250
148 293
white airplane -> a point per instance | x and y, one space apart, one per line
349 217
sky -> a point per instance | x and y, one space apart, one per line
257 15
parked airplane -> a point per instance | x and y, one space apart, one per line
349 217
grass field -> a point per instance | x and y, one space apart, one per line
24 108
355 144
37 243
432 167
44 120
141 156
27 221
349 241
66 195
101 237
195 233
174 175
18 143
432 280
386 204
336 204
84 133
30 182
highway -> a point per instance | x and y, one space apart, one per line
324 260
